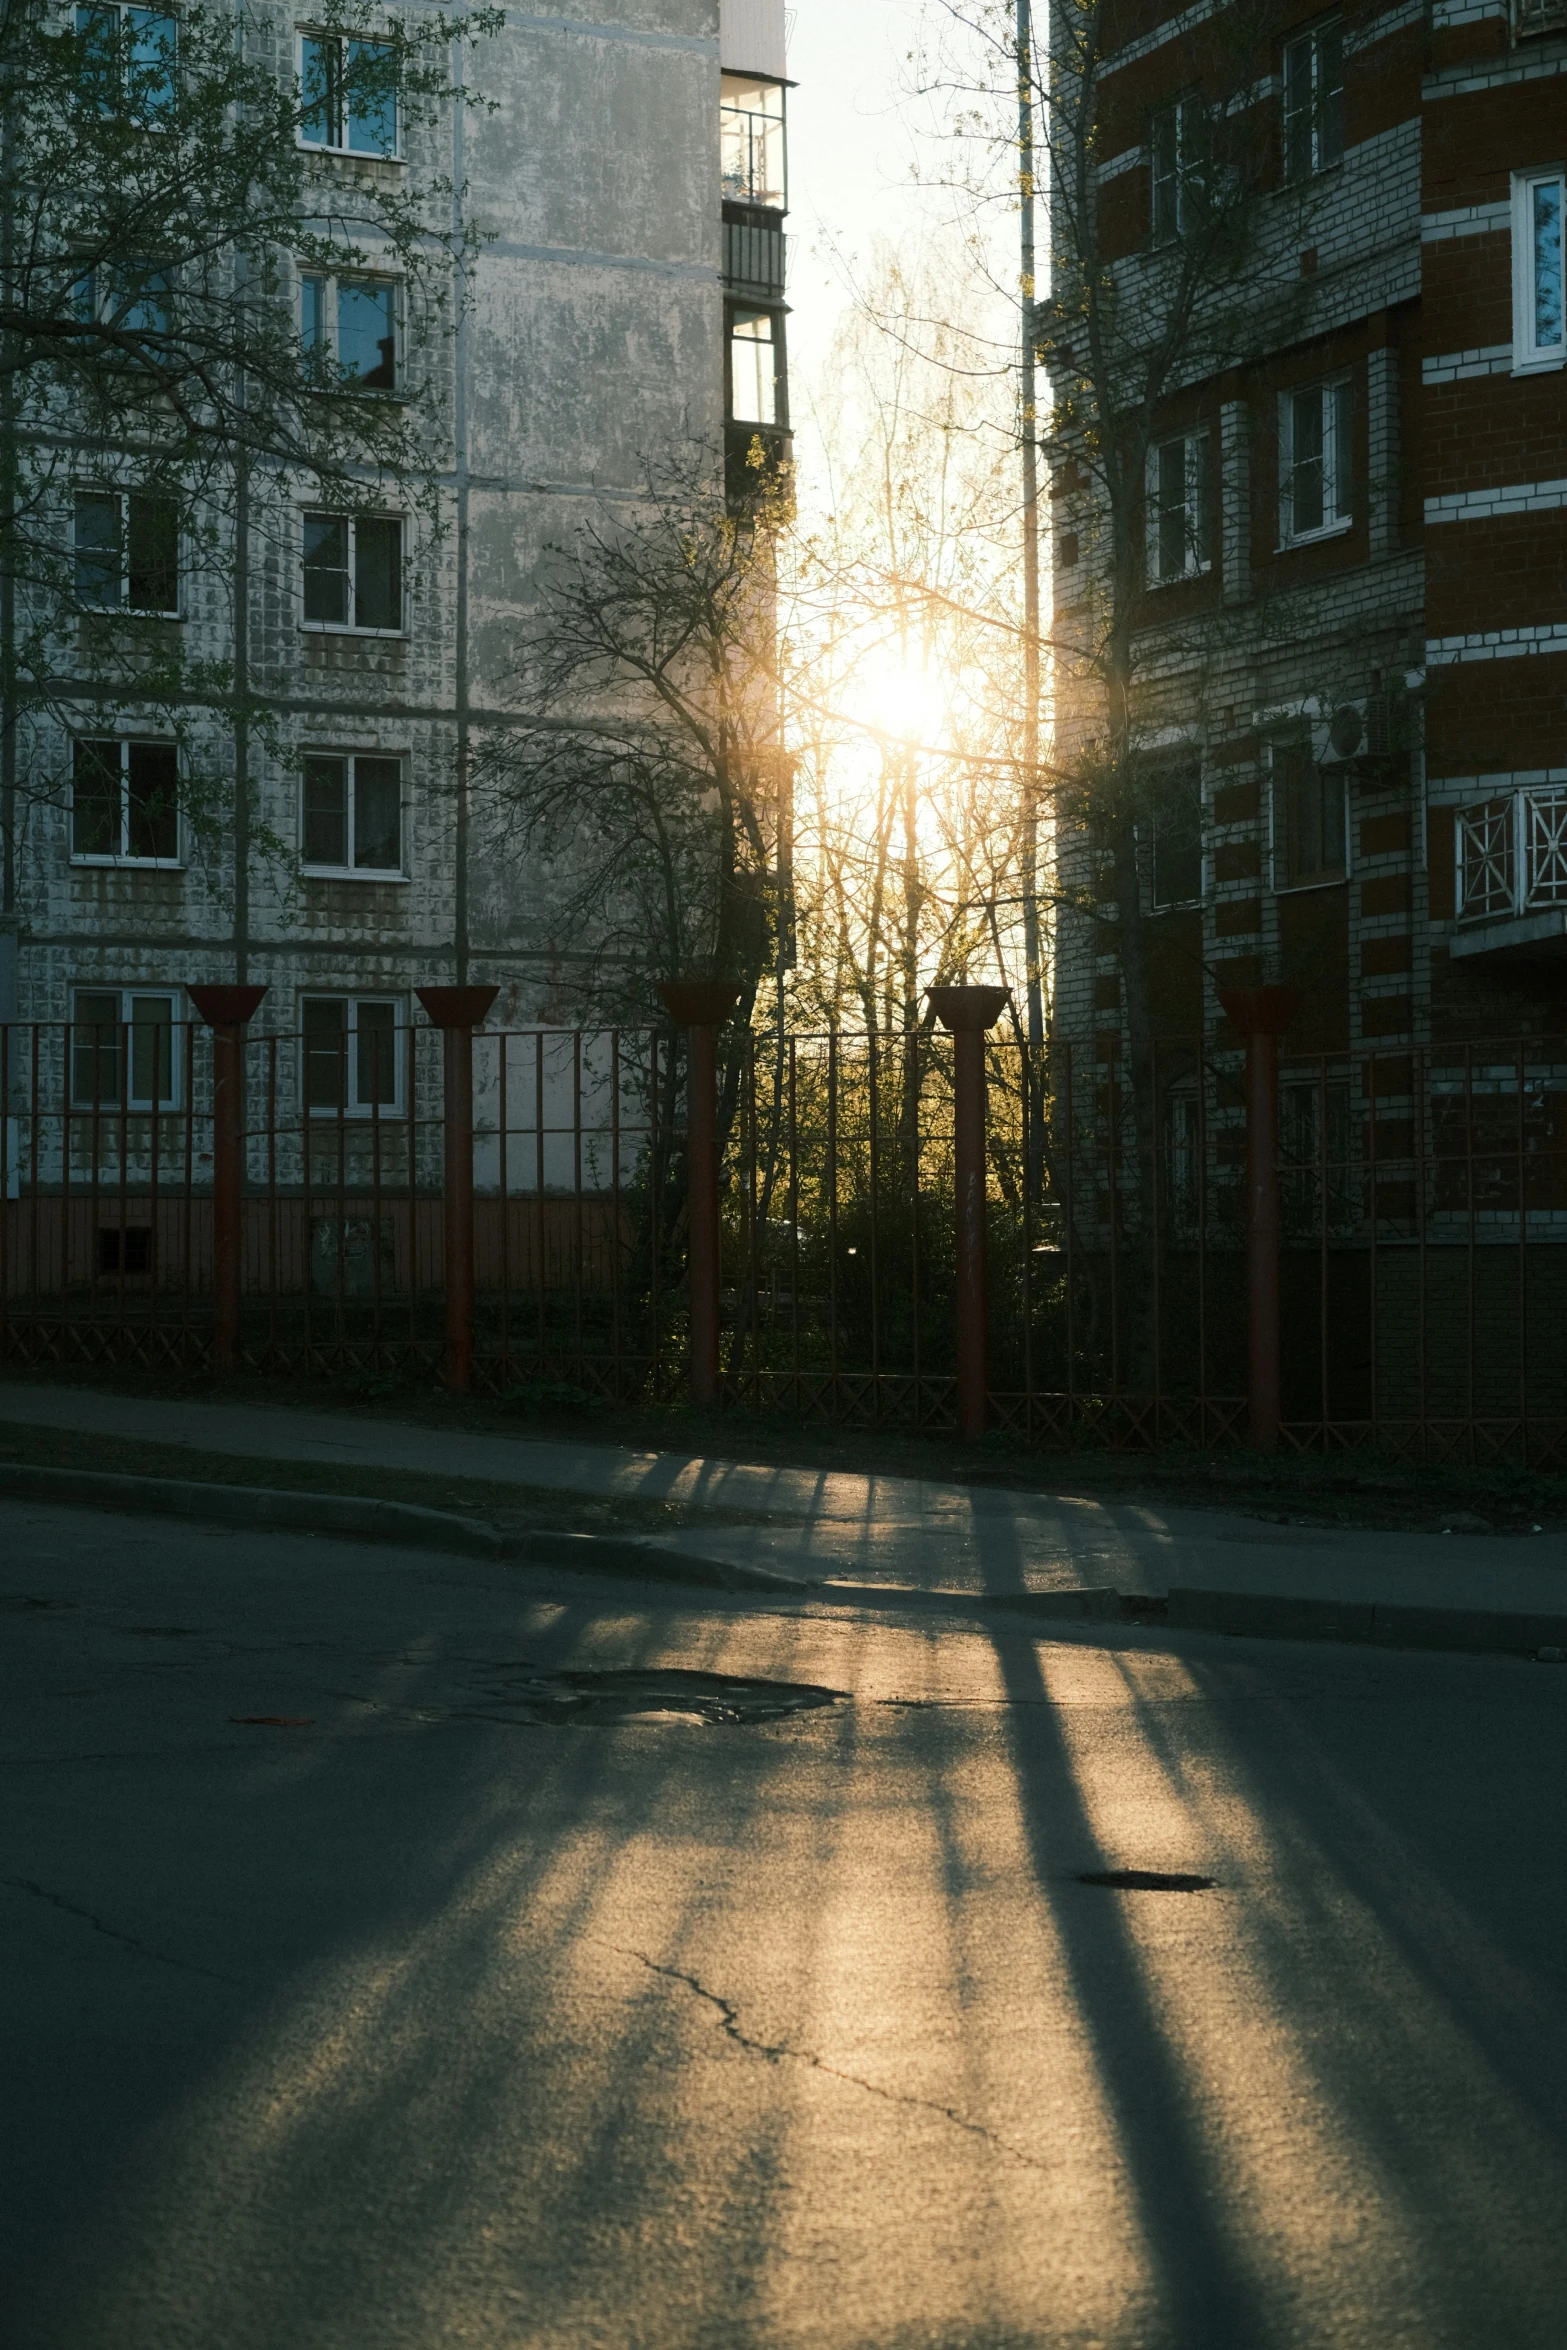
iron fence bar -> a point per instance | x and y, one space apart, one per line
911 1079
1113 1126
1156 1236
1324 1167
1523 1252
579 1228
1203 1074
1069 1227
1376 1259
874 1165
1422 1125
542 1316
1469 1179
794 1223
832 1219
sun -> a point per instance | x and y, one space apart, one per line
893 694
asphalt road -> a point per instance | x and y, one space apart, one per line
449 2016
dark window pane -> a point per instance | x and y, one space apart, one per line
153 553
320 89
1330 96
378 567
1177 837
1197 496
95 1049
1172 510
312 318
326 567
152 1049
152 800
326 811
324 1020
95 799
98 547
376 1073
378 808
1306 485
1166 168
371 95
367 334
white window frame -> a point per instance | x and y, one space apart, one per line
355 1000
156 117
1530 357
130 611
350 627
739 137
309 32
350 759
1311 38
125 1023
1188 118
773 346
1338 424
1527 838
332 280
105 859
1196 508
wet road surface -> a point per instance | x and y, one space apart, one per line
408 1952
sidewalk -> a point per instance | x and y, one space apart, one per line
896 1531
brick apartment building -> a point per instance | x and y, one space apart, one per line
628 178
1364 599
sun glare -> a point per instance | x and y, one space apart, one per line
893 695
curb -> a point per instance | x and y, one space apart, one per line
1367 1623
358 1518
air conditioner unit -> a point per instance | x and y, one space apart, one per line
1351 730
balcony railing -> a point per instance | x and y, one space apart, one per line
1512 856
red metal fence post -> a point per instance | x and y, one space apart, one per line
700 1006
457 1012
1260 1014
226 1010
968 1012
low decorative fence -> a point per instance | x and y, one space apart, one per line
928 1231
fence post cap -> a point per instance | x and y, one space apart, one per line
699 1003
968 1008
226 1007
1260 1011
457 1007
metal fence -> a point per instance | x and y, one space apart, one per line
1420 1199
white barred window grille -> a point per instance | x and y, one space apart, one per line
1485 860
1545 820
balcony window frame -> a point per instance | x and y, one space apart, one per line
127 501
1524 830
742 190
1337 394
331 99
351 626
1530 355
350 868
354 1003
1194 507
124 856
1312 120
734 313
123 1028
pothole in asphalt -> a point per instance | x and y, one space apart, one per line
641 1693
1145 1881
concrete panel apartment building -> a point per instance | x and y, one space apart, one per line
627 176
1359 641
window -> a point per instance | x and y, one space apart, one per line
1310 839
1183 1163
352 1064
134 300
1178 503
1177 837
349 327
130 62
353 813
1512 855
1317 1145
348 94
751 142
124 802
1539 270
1177 139
123 1049
1313 101
127 551
1315 451
753 367
354 571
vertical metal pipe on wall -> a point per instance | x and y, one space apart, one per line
226 1010
457 1012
